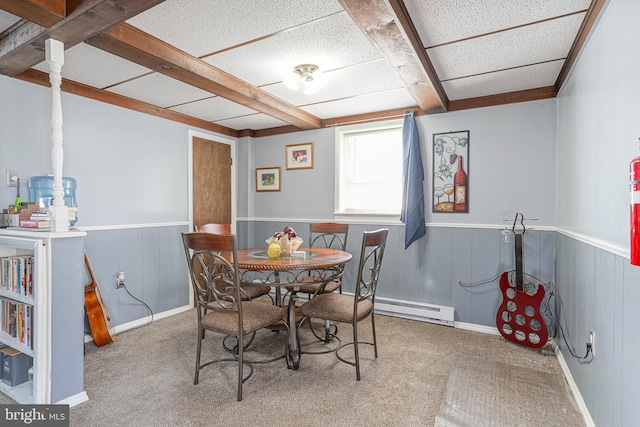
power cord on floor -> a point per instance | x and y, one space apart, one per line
564 338
142 302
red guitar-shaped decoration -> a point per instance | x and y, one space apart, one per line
519 319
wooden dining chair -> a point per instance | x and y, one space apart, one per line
250 290
354 308
223 309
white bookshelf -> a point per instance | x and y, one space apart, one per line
17 246
58 310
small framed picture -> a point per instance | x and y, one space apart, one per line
268 179
300 156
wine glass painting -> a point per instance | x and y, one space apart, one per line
451 172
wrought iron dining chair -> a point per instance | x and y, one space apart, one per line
354 308
223 309
325 235
250 290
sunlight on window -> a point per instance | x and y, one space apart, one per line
370 169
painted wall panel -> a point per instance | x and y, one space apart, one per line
428 272
630 344
599 290
485 263
154 265
460 261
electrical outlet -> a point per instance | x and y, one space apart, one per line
12 178
120 280
592 341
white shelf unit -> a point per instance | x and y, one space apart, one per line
15 246
58 315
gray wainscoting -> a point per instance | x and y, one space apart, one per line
154 264
600 290
430 269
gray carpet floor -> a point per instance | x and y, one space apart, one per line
484 393
145 378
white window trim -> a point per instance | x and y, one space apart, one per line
388 217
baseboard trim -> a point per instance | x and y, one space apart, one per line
74 400
143 321
574 387
477 328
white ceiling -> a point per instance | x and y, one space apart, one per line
477 48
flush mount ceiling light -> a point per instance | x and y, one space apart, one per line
307 77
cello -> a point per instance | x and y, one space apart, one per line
518 318
97 311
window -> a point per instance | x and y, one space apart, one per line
369 168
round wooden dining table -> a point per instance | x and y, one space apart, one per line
309 265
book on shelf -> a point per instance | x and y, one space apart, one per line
46 215
35 224
16 275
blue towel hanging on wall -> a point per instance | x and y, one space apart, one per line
412 214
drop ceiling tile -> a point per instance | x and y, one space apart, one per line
549 40
212 109
160 90
387 100
531 77
91 66
201 27
360 79
254 121
7 20
441 21
321 43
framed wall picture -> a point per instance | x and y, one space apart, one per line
451 172
268 179
300 156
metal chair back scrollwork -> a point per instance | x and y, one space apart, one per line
250 290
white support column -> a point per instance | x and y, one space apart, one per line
55 58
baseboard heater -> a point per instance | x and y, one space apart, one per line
421 311
424 312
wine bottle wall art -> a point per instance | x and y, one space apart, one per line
451 172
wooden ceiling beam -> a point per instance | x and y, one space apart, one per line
69 86
388 26
504 98
587 24
23 47
42 12
137 46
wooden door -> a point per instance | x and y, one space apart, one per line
211 182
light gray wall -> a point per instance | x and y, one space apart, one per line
130 167
598 131
305 193
511 167
132 174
